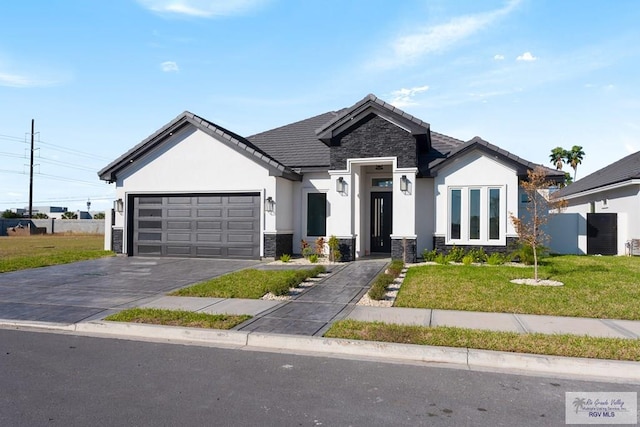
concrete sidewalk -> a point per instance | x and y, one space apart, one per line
522 323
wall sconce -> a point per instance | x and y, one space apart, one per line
341 185
269 205
118 205
404 183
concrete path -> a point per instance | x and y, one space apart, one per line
88 290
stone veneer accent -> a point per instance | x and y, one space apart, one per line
347 248
375 137
117 238
440 246
275 245
398 249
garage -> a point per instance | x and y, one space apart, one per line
195 225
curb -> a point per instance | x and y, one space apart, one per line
472 359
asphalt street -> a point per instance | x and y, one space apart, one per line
62 379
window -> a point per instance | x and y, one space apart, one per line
456 210
316 214
382 182
494 213
474 214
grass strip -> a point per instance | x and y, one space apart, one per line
189 319
553 345
250 283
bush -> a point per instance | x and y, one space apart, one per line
334 249
478 255
429 256
285 257
441 259
496 259
307 251
524 254
468 259
313 258
455 254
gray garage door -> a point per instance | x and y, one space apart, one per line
207 226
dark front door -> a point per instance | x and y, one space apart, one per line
381 222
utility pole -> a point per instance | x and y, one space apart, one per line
31 171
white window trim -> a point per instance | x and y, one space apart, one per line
465 216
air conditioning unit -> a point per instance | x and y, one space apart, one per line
634 248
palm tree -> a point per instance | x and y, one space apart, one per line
557 157
579 402
574 157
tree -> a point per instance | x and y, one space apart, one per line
557 157
69 215
10 214
99 215
574 157
539 207
40 215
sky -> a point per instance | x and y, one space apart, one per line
98 77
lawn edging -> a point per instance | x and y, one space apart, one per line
472 359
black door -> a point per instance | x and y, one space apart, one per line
381 222
602 234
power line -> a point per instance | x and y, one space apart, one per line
57 148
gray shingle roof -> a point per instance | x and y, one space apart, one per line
625 169
237 142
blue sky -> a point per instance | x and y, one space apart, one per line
100 76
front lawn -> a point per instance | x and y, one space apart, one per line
594 286
555 345
22 252
189 319
251 283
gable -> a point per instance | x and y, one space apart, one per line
373 136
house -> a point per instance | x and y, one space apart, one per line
607 205
373 176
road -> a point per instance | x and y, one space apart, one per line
67 380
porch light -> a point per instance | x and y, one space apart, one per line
269 204
118 205
404 183
341 186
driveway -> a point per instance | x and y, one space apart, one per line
87 290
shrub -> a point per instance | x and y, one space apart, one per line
441 259
313 258
429 256
320 246
334 249
496 259
285 257
478 255
524 254
455 254
468 259
308 251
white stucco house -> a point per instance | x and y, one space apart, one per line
606 205
372 175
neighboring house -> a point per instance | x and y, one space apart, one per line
607 205
372 175
54 212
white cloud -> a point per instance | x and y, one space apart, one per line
408 48
498 57
527 56
169 67
405 97
17 80
201 8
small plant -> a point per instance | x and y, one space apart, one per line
468 259
441 259
395 268
308 252
320 246
478 255
313 258
334 249
455 254
429 256
285 257
496 259
524 254
379 287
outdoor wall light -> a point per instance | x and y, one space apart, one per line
341 185
269 204
118 205
404 183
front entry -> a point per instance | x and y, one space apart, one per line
381 221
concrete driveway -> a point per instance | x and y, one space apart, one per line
87 290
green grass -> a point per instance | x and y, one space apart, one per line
178 318
250 283
556 345
19 253
599 287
